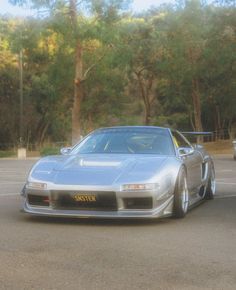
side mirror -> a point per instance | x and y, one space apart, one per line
65 150
184 151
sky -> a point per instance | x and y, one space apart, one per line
138 5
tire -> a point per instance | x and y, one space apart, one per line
181 195
211 185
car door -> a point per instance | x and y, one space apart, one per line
193 162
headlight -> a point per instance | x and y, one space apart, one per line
137 187
36 185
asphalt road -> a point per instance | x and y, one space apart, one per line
198 252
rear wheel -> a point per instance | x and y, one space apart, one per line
181 195
211 185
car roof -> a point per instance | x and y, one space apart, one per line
133 127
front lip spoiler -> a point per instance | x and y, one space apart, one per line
164 210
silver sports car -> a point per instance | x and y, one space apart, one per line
122 172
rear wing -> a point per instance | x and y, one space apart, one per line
197 133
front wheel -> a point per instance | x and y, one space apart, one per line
211 185
181 195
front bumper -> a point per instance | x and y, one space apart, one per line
162 207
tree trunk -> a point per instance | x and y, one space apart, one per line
90 122
197 107
191 119
78 91
42 135
146 98
147 119
220 132
78 95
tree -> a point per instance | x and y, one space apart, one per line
104 11
183 40
139 49
173 65
220 75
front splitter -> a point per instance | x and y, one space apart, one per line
164 210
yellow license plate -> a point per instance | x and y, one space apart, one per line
85 197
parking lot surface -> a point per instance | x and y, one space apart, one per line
197 252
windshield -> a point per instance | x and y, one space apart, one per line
127 141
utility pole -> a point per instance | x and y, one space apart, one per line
21 151
21 96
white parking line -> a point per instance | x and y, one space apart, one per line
2 170
10 182
9 194
226 183
224 196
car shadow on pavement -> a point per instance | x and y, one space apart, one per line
107 221
96 221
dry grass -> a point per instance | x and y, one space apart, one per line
33 153
219 147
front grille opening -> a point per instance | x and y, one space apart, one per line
138 203
38 200
104 201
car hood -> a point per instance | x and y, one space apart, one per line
97 169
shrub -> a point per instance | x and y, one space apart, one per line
7 154
49 151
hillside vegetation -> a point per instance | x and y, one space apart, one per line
86 66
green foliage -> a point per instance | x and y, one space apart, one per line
139 68
5 154
46 151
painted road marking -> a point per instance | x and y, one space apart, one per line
226 183
10 182
224 196
9 170
9 194
224 170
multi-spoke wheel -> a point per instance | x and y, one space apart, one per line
181 195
